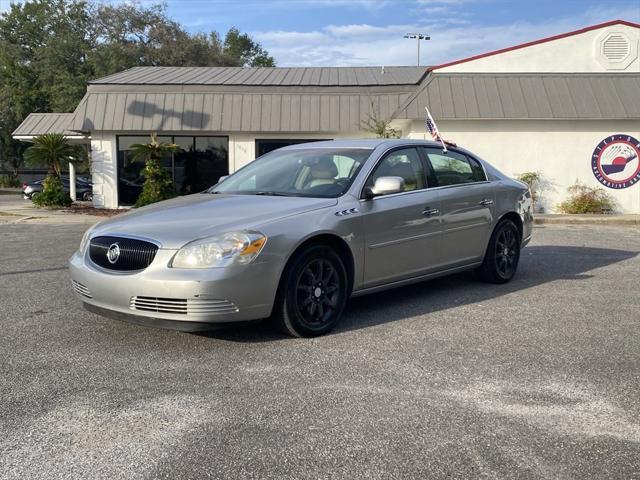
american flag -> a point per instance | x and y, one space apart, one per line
432 128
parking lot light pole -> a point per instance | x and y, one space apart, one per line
418 37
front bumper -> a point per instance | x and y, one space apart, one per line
184 299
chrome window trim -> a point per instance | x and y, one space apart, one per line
428 189
394 195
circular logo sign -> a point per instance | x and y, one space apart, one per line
113 253
616 161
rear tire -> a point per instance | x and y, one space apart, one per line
312 293
502 255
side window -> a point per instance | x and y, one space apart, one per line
453 168
403 163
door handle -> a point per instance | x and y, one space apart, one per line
429 212
486 202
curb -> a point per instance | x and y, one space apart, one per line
614 222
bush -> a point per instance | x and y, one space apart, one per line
158 184
533 180
52 194
9 181
585 199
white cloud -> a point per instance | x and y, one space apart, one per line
363 44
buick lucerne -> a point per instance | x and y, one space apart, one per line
295 233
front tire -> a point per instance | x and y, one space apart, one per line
312 294
503 254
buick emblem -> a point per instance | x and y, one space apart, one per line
113 253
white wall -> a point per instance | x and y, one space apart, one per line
576 53
560 150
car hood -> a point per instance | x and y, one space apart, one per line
181 220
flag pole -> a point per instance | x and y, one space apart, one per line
435 127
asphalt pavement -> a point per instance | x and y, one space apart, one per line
451 378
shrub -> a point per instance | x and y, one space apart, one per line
533 180
9 181
377 125
52 194
158 184
585 199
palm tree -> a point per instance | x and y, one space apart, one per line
158 184
52 150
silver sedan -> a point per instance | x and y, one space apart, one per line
295 233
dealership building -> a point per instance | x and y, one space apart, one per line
566 106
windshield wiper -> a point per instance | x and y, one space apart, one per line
273 194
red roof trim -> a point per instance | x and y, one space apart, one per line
542 40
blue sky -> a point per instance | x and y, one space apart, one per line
369 32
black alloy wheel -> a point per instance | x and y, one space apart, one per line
312 293
502 255
506 252
317 288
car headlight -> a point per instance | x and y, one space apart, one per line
233 248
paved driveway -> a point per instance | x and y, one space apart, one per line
447 379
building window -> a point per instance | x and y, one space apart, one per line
264 146
199 163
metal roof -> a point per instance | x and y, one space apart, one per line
263 108
295 76
40 123
526 96
231 112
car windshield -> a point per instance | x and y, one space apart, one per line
312 172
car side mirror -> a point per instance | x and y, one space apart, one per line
223 177
384 186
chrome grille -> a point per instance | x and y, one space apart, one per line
182 306
157 304
199 306
133 254
80 289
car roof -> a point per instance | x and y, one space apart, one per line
369 143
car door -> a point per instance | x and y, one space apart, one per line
466 205
402 230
